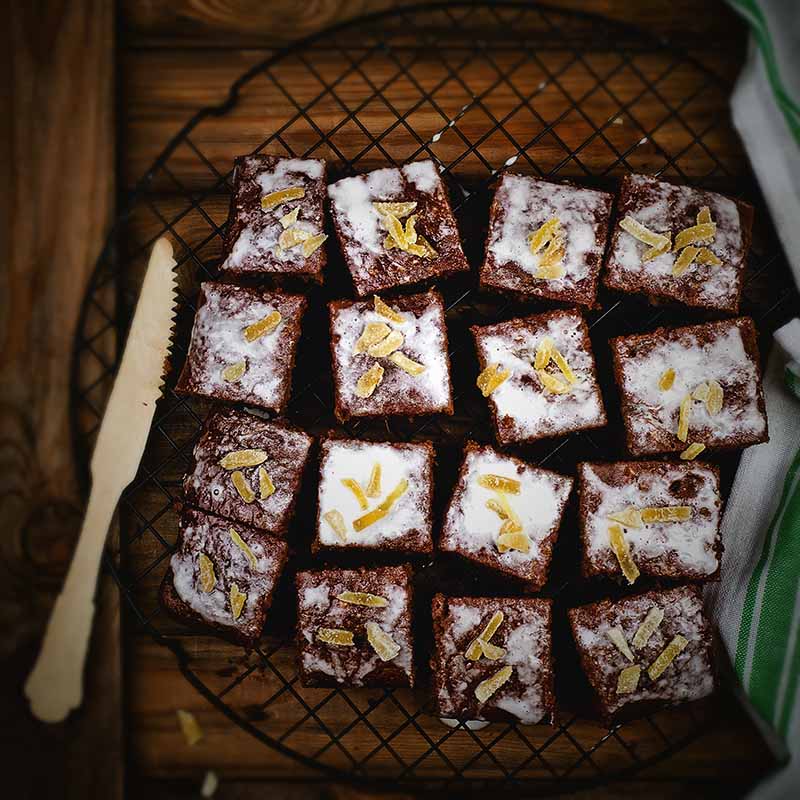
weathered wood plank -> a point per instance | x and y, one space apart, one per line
423 101
58 197
188 23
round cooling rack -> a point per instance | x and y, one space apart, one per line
476 88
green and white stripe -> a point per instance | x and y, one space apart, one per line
768 649
759 27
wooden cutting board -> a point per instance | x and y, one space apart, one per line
165 60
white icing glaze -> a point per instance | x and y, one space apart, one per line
690 542
263 238
667 214
522 696
318 595
211 536
472 527
352 200
527 204
423 175
688 677
354 459
424 343
724 360
219 330
533 411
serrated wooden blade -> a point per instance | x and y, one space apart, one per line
129 413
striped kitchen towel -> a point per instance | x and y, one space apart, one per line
756 605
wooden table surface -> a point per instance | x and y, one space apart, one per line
97 91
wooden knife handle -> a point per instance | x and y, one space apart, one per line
55 685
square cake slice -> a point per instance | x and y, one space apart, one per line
390 357
505 514
685 389
664 515
644 652
493 659
276 219
222 576
545 240
538 375
243 346
354 627
396 227
375 496
680 243
247 469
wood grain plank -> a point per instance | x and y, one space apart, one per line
196 23
424 101
58 198
732 748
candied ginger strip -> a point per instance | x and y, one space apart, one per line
363 599
499 483
491 378
335 519
237 599
243 458
684 415
715 398
692 451
701 392
287 220
374 485
369 381
667 514
543 234
373 332
649 626
266 488
630 517
622 551
242 487
399 210
292 237
313 243
708 257
492 651
263 326
544 352
355 487
244 547
406 364
513 540
395 230
270 201
667 379
485 689
617 638
643 234
190 727
208 580
337 636
628 679
381 642
667 656
387 311
383 508
696 234
704 215
233 372
394 341
552 384
684 260
565 368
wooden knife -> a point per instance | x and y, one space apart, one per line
55 685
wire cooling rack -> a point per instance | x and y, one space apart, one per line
476 88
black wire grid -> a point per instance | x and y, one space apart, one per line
475 88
